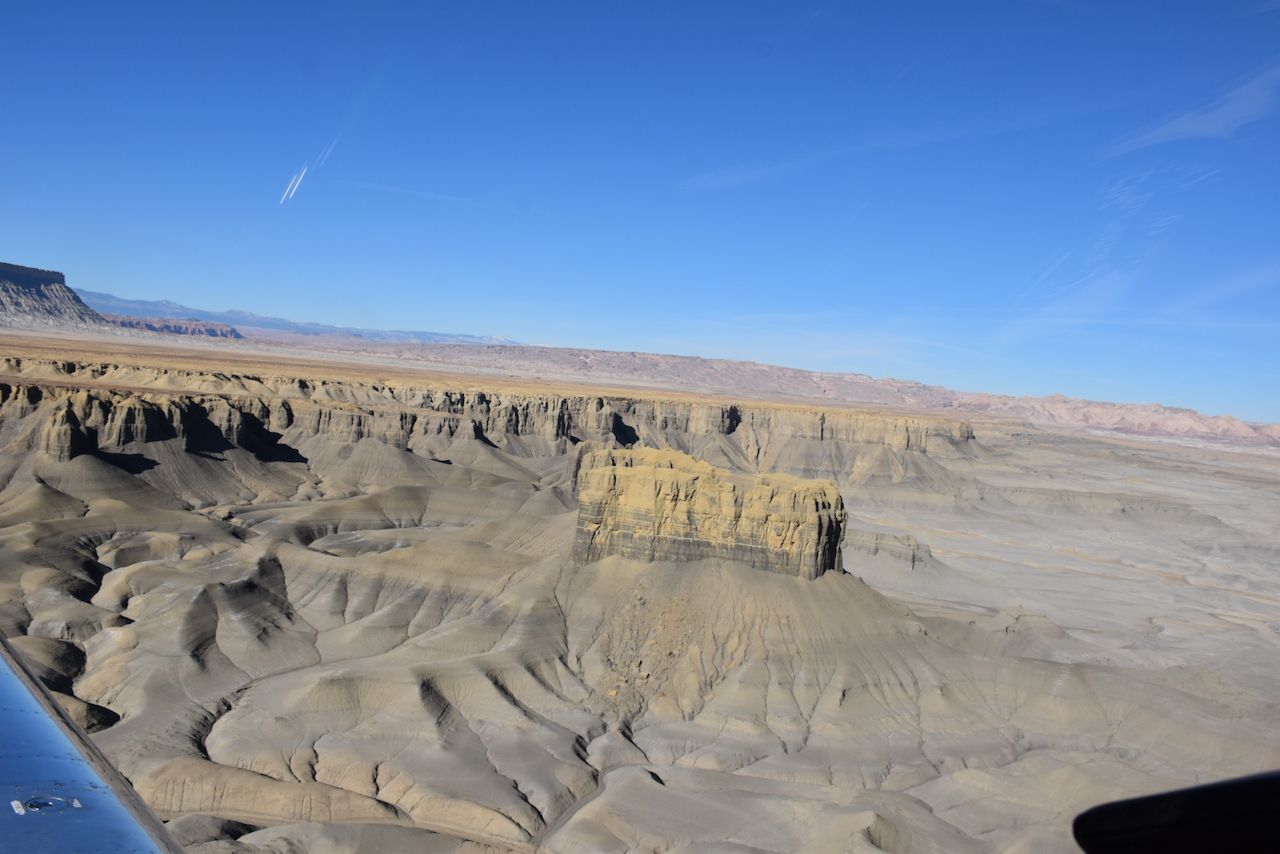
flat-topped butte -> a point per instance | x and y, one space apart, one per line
662 505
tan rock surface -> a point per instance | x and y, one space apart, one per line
664 505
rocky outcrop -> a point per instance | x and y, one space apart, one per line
722 377
199 328
72 409
63 437
242 408
900 548
41 298
659 505
32 297
137 420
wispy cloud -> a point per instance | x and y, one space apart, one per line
1089 300
1257 280
1188 181
1128 194
1043 275
1100 300
1135 215
1249 102
890 139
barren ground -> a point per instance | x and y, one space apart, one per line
330 604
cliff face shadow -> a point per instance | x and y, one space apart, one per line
132 463
480 436
623 432
733 417
206 439
279 453
203 438
266 445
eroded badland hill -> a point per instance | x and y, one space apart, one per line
361 609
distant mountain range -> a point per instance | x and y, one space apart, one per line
246 321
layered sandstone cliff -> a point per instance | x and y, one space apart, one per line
663 505
171 326
903 549
242 408
33 297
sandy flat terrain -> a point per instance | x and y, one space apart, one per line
333 604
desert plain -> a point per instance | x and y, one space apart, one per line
334 602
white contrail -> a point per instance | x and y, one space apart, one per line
294 184
285 195
327 151
296 181
301 175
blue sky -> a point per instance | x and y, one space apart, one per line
1028 196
